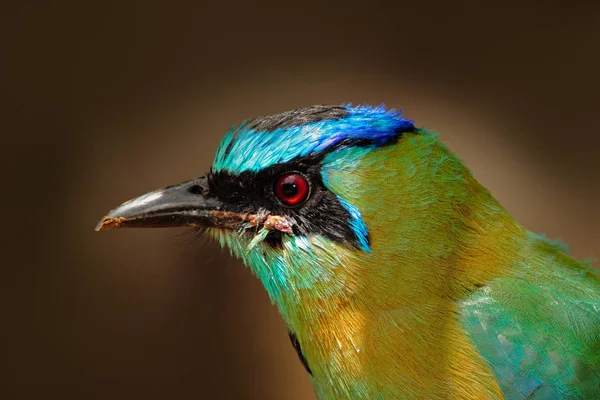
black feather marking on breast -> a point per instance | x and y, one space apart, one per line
296 345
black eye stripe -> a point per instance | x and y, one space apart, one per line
254 184
321 214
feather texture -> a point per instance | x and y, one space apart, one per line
447 296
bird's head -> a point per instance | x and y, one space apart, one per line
318 200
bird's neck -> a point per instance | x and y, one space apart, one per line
434 230
436 235
387 318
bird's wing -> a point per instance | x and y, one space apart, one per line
542 341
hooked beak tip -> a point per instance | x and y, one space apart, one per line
172 206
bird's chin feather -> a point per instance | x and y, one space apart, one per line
246 237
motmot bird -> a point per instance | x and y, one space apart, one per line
397 273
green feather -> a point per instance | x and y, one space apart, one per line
539 328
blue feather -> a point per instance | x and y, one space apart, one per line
248 150
357 224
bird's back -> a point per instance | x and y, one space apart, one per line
539 328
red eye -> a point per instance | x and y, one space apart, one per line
292 189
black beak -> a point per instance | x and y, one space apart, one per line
186 204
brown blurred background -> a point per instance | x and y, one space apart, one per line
105 101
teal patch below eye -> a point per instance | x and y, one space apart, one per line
357 224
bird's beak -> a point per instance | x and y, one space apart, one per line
186 204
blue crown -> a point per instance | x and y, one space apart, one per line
247 148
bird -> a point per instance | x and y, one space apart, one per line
398 275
